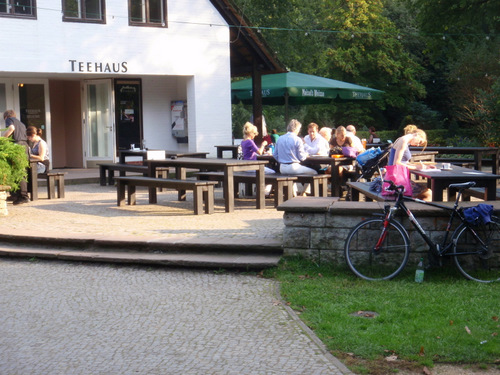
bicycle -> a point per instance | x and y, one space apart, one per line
378 248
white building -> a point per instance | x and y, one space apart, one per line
100 75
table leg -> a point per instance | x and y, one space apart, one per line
491 190
229 189
180 174
34 181
478 160
335 179
495 161
261 188
151 173
437 190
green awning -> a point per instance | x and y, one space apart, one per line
301 89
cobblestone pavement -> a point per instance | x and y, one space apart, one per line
85 318
73 318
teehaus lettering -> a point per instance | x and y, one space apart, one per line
98 67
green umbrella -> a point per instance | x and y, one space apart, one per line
301 89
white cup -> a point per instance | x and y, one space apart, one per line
446 166
132 146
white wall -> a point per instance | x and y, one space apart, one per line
195 46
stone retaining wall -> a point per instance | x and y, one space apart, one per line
318 227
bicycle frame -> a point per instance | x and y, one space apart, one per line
437 249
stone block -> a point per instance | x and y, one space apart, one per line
296 219
294 237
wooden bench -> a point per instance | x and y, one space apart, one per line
477 193
282 185
110 168
203 191
319 183
55 183
364 188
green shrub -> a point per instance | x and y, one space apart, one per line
13 163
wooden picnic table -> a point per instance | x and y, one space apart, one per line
123 154
439 180
228 166
321 160
232 148
478 152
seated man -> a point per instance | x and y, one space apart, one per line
290 153
314 143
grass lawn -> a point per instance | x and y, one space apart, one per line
374 327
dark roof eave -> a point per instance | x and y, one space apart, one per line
262 59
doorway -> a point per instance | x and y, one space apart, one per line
28 99
98 121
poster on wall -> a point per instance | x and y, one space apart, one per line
179 120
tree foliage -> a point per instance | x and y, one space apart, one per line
437 61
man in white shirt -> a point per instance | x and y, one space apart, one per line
314 143
356 142
289 152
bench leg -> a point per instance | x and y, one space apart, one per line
111 177
198 200
132 199
161 173
208 197
289 190
51 187
120 193
315 188
60 186
278 192
324 187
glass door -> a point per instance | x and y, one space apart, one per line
98 120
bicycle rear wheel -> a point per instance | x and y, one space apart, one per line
478 266
384 263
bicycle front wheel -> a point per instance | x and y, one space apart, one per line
475 261
372 255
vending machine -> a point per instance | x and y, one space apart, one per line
179 121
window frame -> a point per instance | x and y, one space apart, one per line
81 19
32 16
147 23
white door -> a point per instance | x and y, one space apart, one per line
98 121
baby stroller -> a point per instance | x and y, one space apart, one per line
372 161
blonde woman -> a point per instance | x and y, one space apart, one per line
250 149
400 154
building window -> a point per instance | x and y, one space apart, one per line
83 11
148 13
18 8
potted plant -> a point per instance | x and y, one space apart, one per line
13 168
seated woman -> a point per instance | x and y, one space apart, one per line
250 149
39 149
400 154
336 143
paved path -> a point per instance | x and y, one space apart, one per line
85 318
91 209
71 318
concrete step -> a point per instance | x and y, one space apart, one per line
206 253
